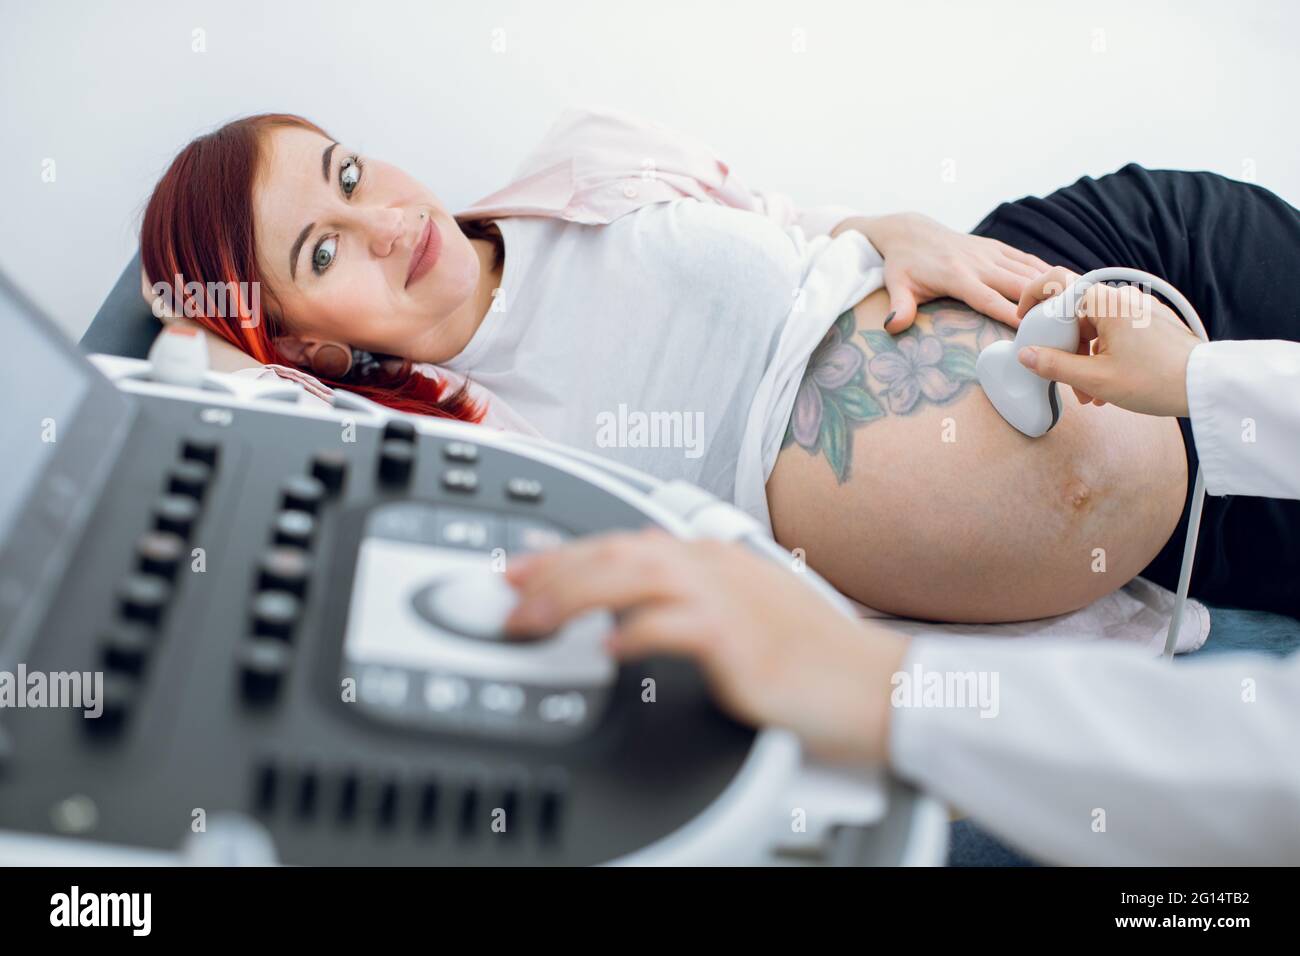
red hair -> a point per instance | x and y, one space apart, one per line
199 226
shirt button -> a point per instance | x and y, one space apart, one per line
630 191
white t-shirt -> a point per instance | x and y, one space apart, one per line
672 339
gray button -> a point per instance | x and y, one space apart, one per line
467 530
501 698
460 451
524 489
460 479
403 522
569 707
523 536
443 692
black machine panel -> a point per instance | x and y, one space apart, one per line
259 591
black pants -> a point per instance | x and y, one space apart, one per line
1234 250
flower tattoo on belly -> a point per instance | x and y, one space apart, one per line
847 384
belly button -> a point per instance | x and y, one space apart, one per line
1077 493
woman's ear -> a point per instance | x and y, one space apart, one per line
326 359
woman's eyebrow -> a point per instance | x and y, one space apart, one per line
325 162
297 247
302 236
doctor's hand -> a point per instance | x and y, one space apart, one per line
773 651
926 260
1133 349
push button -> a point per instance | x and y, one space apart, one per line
460 451
176 514
465 529
302 493
330 468
143 598
189 478
284 569
200 449
399 429
126 647
396 459
463 480
159 552
118 697
524 536
524 489
263 664
294 528
275 613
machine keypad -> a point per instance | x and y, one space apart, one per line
414 668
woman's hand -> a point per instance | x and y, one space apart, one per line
773 651
1133 349
926 260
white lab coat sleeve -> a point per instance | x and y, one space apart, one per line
1244 400
1099 754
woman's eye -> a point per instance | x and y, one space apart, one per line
323 254
350 175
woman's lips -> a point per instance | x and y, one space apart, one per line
425 254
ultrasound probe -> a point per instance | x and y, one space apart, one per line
1030 403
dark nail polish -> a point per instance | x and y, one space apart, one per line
890 318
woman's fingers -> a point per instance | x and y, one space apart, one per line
990 300
1009 283
1035 263
902 303
1019 268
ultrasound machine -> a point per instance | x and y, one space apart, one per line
293 667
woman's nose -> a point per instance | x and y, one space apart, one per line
386 227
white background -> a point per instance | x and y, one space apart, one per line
1016 97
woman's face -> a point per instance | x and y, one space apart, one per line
342 249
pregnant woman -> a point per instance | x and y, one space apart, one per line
627 295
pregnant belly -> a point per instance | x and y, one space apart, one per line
947 513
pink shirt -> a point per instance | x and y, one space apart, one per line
593 166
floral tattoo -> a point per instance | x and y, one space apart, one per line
844 388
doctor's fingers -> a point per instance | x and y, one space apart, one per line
1045 286
616 572
678 629
1102 305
